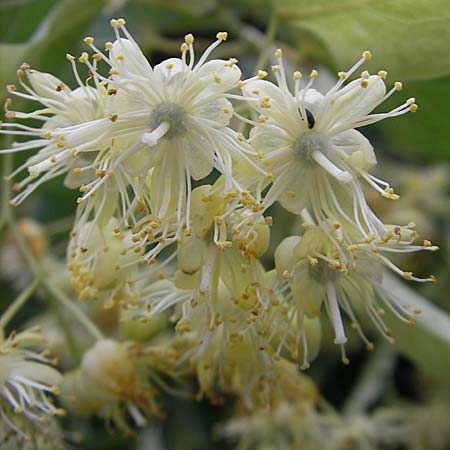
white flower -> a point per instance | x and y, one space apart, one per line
102 265
309 143
319 269
109 383
27 382
63 109
176 118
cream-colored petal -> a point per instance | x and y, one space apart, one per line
217 112
47 85
219 75
354 102
271 101
360 154
128 59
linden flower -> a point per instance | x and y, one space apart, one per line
26 380
177 115
308 142
317 270
110 383
102 266
63 110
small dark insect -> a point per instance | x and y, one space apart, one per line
310 119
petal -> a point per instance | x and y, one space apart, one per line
218 112
313 100
357 147
354 102
269 139
296 195
198 155
40 373
281 105
128 59
47 86
219 75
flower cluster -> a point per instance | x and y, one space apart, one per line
172 216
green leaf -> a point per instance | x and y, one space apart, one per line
409 38
424 134
428 342
57 34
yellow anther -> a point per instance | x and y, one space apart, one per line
113 72
262 119
240 84
223 35
413 107
262 74
88 40
189 38
98 57
342 75
231 62
169 66
364 83
275 68
313 261
398 86
184 47
113 22
313 74
70 57
278 53
367 55
120 57
84 57
382 74
226 110
365 74
407 275
352 247
108 46
297 75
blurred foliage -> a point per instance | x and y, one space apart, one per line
410 37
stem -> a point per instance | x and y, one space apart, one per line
56 292
270 37
19 301
74 349
370 384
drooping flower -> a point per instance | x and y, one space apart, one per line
63 109
102 266
27 383
309 143
319 269
113 382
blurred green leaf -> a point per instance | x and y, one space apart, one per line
428 342
57 33
409 38
425 134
